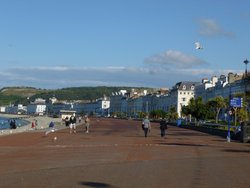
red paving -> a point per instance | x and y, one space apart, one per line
116 154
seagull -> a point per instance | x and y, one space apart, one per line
198 46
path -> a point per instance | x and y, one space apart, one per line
115 154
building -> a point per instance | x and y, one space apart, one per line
16 109
116 101
66 113
102 106
181 94
224 87
38 107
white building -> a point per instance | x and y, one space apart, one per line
102 106
200 89
16 109
2 109
181 94
36 109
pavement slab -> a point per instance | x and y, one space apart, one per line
116 154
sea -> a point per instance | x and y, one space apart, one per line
5 122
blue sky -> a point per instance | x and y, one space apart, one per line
144 43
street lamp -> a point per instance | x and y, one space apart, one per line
246 62
229 116
245 92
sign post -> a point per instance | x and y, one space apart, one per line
236 102
228 130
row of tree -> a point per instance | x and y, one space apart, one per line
198 110
212 109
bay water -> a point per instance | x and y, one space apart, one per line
5 122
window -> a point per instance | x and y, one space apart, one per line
184 99
184 87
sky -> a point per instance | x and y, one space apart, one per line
53 44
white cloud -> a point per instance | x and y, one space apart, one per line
210 28
52 77
176 59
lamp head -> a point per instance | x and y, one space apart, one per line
246 61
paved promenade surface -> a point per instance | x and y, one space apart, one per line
115 155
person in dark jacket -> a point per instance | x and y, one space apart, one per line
67 121
163 127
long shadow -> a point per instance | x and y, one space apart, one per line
96 184
187 134
237 150
183 144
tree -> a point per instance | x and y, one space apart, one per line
217 104
201 109
156 114
197 109
172 114
185 110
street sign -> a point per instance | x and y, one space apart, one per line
236 102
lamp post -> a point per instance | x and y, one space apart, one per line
229 116
245 84
246 62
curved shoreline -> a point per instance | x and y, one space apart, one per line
42 123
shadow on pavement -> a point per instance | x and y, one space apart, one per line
237 150
182 144
188 134
96 184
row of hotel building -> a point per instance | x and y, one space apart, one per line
131 103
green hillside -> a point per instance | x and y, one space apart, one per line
21 95
12 95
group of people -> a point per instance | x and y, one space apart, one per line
146 127
12 124
71 123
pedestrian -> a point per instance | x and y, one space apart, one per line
87 123
80 119
11 124
14 124
33 125
72 124
67 121
163 127
51 128
146 126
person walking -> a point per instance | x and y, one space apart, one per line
80 119
146 126
87 123
51 128
67 121
72 124
163 127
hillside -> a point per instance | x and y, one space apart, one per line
12 95
21 95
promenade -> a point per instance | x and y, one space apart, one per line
115 154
